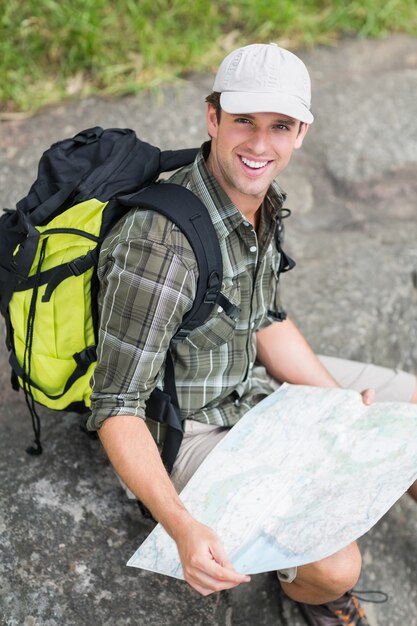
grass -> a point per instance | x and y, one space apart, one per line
52 49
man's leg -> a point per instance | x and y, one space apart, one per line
314 583
328 579
199 439
390 386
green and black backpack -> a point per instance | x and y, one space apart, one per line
49 251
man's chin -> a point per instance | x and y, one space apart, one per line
255 189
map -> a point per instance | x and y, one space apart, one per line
302 475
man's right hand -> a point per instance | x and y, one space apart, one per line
204 561
137 461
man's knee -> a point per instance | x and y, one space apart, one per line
340 572
328 579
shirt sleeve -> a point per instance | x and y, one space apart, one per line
145 291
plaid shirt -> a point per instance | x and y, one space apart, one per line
148 276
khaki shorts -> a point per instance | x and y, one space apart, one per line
199 439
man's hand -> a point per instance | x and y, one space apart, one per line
204 561
368 396
137 461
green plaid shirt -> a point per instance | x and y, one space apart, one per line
148 276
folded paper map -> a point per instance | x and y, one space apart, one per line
303 474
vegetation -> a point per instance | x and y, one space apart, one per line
50 49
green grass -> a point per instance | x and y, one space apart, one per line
51 49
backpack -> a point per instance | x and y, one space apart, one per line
49 252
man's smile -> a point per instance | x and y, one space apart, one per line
255 165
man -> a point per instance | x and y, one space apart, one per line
258 113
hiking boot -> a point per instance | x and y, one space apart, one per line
346 610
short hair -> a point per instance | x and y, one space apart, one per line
214 100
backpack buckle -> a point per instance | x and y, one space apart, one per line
213 288
83 263
87 356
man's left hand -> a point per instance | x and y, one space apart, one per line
368 396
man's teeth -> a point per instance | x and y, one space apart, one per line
254 164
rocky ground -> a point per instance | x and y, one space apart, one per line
66 529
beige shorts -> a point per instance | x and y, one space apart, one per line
199 439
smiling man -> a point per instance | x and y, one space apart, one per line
257 114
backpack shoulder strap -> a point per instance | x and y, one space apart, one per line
183 208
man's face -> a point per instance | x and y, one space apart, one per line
249 151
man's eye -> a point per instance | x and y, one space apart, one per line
243 120
281 127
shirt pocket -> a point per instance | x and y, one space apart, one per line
220 327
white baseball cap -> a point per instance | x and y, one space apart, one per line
264 78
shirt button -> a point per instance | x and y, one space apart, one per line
252 324
253 248
246 224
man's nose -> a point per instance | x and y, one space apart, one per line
258 142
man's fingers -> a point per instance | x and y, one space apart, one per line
209 585
208 568
368 396
205 563
214 578
225 574
206 591
219 555
206 575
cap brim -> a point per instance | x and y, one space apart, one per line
236 102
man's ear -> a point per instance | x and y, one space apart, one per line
211 120
302 132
